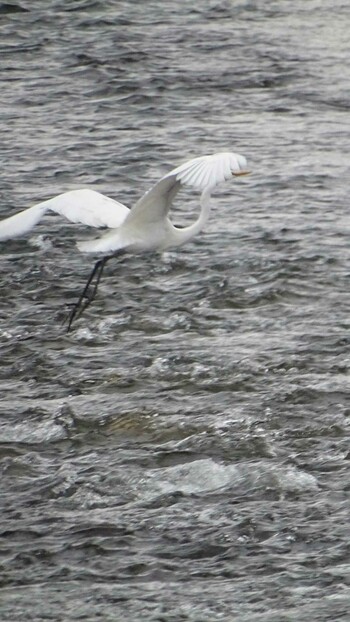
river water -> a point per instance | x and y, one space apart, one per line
183 453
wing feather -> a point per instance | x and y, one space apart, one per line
20 223
85 206
88 207
191 174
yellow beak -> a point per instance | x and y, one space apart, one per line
241 173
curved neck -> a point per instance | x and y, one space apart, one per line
186 233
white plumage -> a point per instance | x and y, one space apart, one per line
94 209
146 226
84 206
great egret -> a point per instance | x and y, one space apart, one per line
143 228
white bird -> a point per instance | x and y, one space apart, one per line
145 227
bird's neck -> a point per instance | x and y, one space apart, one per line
183 235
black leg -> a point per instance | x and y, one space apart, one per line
89 292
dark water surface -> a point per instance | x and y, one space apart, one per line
183 454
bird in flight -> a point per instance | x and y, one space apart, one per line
144 227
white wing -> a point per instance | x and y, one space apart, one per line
84 206
201 173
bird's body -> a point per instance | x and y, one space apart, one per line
143 228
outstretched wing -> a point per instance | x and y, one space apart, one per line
84 206
201 173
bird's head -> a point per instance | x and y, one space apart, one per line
239 165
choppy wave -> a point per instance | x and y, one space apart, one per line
182 454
